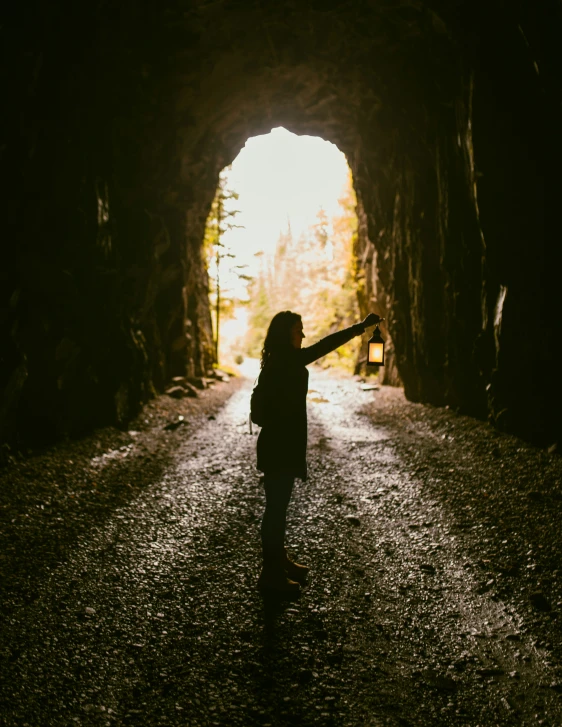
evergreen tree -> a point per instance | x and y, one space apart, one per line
219 221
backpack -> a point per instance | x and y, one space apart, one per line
257 405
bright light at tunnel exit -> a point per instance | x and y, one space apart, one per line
281 178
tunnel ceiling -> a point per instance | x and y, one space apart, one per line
123 116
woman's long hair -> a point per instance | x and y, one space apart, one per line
278 337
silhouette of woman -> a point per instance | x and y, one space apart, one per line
281 447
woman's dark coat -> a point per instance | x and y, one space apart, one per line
282 440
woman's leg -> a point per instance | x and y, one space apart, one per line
278 489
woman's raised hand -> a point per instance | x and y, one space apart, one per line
372 320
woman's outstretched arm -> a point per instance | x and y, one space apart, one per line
335 340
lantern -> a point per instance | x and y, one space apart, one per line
375 355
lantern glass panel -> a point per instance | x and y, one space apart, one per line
376 351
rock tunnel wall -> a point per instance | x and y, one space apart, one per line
122 117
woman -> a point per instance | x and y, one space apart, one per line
282 440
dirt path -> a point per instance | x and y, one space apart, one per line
434 597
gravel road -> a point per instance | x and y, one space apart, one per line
130 560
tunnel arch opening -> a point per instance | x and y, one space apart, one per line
289 240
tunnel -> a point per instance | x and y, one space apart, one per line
118 119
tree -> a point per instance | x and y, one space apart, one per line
260 310
219 221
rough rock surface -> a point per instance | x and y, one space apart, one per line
448 113
130 561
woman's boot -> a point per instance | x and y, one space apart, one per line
273 576
295 571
